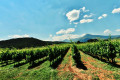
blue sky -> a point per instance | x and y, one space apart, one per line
58 19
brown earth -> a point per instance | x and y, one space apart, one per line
88 74
101 73
77 72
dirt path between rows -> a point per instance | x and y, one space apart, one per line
77 72
91 73
101 73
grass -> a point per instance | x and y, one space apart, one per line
10 73
45 72
40 72
65 75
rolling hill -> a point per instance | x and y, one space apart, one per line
25 42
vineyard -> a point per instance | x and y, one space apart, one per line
33 54
62 62
107 50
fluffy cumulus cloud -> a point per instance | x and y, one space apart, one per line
18 36
73 15
103 16
65 36
88 16
116 10
67 31
107 31
100 17
117 30
84 9
86 21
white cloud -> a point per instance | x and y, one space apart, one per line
1 39
117 30
117 10
65 36
75 22
50 35
82 35
69 30
18 36
88 16
100 17
62 31
103 16
84 9
86 21
107 31
73 15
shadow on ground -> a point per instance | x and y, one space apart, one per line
37 64
58 62
80 65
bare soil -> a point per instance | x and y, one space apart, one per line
89 74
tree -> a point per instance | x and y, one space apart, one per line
78 42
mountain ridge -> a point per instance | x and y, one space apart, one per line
86 37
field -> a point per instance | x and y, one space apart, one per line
84 61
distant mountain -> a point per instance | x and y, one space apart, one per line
86 37
25 42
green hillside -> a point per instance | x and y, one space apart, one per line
25 42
